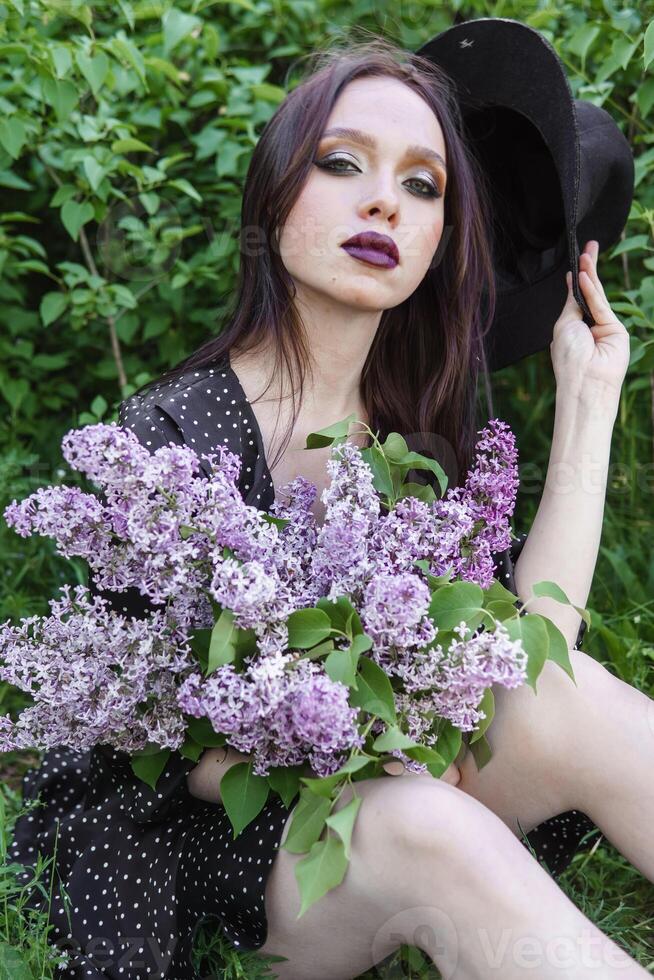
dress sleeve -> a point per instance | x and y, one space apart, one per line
152 425
154 428
141 803
505 572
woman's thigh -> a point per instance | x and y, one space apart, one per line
541 763
403 856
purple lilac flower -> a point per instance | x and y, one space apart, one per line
99 677
341 560
450 684
134 539
245 588
489 498
459 531
405 534
281 716
394 614
89 671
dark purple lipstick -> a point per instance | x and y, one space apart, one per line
371 247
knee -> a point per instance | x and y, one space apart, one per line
415 814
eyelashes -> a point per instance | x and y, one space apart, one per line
328 164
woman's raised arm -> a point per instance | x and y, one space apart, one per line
589 365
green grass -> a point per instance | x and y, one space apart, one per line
25 953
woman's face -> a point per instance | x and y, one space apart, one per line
354 188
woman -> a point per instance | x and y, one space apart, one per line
438 864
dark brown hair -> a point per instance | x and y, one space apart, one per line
421 374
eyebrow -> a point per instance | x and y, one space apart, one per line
413 152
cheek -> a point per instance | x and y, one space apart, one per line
305 233
434 232
429 241
418 245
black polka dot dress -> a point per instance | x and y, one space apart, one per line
142 868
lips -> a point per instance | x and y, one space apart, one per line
372 241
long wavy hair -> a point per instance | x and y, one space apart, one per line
421 375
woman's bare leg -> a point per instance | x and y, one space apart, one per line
588 748
432 867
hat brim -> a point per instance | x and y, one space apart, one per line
518 330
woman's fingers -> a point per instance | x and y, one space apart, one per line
591 284
395 767
596 299
452 775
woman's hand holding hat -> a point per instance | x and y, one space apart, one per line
588 359
555 165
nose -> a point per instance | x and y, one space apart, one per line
382 198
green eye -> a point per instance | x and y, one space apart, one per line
330 164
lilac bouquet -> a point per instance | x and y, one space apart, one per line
322 651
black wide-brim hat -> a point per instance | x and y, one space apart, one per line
560 172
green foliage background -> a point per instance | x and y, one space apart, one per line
125 134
